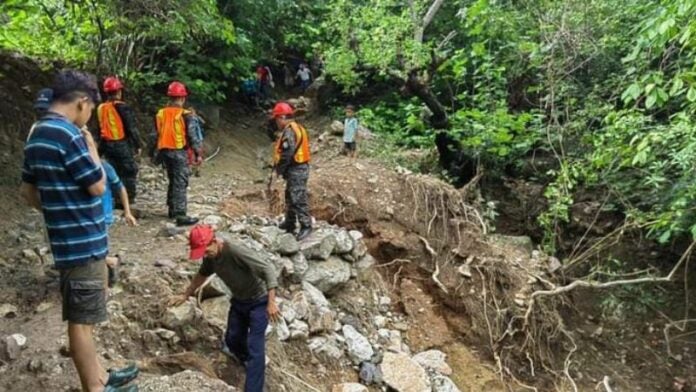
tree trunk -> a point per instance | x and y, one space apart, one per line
452 158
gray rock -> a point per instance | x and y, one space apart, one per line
213 220
328 275
344 242
237 228
171 230
356 235
31 255
288 311
319 245
337 128
349 387
181 315
444 384
186 381
165 263
403 374
300 266
323 345
366 262
390 339
521 245
8 310
433 361
216 288
359 250
267 235
282 330
12 346
300 305
314 295
553 264
359 348
370 373
299 330
286 244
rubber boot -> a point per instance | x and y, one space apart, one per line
304 233
184 220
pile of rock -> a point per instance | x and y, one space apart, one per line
313 273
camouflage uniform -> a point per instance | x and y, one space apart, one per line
296 176
178 171
176 163
120 153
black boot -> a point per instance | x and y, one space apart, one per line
184 220
287 226
305 231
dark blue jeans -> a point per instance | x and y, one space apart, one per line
246 338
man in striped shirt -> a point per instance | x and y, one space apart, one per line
62 176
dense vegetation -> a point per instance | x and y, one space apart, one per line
605 89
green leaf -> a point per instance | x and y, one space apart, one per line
691 94
650 101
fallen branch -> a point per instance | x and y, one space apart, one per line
394 262
603 285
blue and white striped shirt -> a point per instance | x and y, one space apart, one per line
57 162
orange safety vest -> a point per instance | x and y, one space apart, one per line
171 128
301 145
110 122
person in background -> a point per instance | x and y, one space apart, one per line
62 176
291 156
250 88
265 80
114 186
252 281
41 105
174 134
119 139
305 76
350 132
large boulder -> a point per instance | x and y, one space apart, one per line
300 266
328 275
403 374
299 330
319 315
185 381
267 235
320 244
357 345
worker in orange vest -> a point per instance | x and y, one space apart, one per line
175 134
119 140
291 161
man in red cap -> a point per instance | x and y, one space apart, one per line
119 140
176 132
252 281
291 161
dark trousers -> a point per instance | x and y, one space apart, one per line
296 197
176 163
120 155
246 338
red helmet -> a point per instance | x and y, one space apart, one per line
112 84
177 90
282 109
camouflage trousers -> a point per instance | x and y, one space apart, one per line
296 196
120 156
176 163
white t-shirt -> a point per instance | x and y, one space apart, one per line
305 74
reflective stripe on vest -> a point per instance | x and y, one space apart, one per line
171 128
110 122
302 154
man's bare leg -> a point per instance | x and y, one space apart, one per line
84 355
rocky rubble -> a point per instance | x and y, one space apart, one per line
316 276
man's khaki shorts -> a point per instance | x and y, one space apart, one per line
84 293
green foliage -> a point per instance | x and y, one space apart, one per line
403 121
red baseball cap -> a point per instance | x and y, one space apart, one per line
201 236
